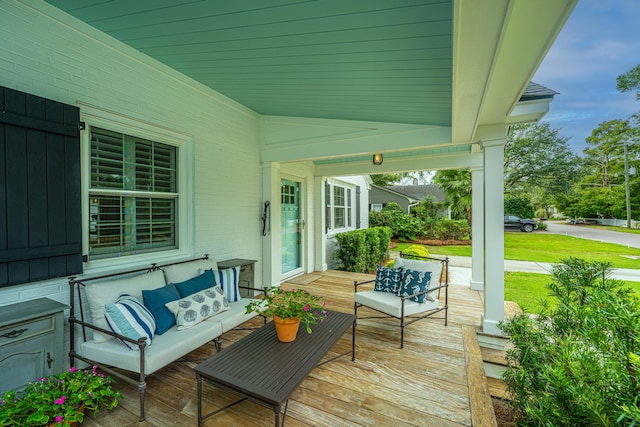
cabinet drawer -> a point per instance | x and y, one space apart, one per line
20 331
246 269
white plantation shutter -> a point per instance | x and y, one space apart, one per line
133 195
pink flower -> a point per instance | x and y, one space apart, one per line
307 307
73 369
60 401
324 303
59 418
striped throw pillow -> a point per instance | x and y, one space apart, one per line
228 280
128 317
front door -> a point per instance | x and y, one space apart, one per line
292 224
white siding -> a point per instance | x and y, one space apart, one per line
47 53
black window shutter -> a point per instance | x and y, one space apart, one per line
327 206
358 225
40 192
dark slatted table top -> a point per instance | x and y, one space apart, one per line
265 369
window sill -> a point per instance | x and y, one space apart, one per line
108 265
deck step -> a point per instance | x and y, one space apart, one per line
482 413
498 389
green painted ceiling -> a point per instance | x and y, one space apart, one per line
372 60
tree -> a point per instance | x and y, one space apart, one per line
386 179
630 81
537 157
457 185
602 189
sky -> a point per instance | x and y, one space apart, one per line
600 41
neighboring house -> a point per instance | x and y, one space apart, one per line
406 196
158 131
346 201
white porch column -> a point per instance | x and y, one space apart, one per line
477 229
320 237
493 147
271 243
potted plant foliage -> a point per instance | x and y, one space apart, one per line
59 400
289 308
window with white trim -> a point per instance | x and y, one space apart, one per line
342 206
133 195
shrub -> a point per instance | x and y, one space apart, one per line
380 219
447 229
415 251
361 251
577 364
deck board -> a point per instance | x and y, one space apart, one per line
423 384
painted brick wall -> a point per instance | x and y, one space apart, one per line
49 54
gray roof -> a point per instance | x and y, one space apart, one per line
419 192
536 91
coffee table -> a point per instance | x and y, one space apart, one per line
267 371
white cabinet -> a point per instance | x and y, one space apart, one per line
31 340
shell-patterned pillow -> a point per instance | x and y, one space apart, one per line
195 308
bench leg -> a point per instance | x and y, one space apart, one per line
142 389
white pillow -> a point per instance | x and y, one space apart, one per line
181 272
195 308
435 267
101 293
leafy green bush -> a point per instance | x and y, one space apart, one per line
403 226
361 251
380 219
577 364
447 229
415 252
541 225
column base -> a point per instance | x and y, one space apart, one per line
491 327
477 285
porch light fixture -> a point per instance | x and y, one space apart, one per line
377 159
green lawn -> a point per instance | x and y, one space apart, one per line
551 248
613 228
528 288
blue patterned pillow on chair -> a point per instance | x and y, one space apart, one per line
415 281
388 279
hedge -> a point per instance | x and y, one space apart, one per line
360 251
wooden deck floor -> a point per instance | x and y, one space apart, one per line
425 384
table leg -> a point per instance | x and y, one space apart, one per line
199 400
353 341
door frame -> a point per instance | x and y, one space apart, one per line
303 218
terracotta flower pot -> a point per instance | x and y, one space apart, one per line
287 329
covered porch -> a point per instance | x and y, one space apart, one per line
433 381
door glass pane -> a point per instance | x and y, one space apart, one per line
291 233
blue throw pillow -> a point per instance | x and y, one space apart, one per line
130 318
388 279
415 281
155 301
228 280
196 284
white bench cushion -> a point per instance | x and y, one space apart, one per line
235 315
166 348
391 304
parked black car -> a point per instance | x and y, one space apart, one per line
526 225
